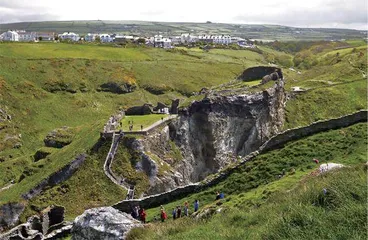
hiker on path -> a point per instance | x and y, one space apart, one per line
222 196
140 212
178 212
143 215
163 215
316 160
217 196
174 213
186 209
141 127
196 205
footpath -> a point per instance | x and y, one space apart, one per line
116 137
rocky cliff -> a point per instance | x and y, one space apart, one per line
209 135
212 132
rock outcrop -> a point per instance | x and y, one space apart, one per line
209 136
116 87
257 73
9 215
212 132
59 138
103 223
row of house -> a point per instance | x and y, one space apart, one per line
23 36
156 41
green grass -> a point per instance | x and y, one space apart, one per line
141 120
302 213
62 50
258 205
326 102
89 187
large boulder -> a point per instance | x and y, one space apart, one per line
59 138
9 215
116 87
103 223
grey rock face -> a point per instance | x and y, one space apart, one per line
210 135
103 223
216 130
9 214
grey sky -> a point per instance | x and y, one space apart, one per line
311 13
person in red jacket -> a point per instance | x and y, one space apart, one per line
143 215
163 215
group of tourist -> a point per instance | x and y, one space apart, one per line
139 213
131 126
178 211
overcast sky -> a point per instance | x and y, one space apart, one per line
306 13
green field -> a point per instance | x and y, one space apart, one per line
138 121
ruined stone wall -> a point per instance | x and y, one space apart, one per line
56 178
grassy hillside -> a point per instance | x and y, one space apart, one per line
255 197
47 86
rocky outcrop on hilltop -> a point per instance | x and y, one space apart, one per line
103 223
209 135
215 130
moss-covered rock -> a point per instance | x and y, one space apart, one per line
59 138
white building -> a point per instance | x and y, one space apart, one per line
69 36
162 42
222 39
12 36
27 36
106 38
90 37
185 38
176 40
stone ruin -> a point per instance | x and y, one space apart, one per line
49 225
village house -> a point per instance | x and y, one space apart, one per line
123 39
162 42
69 36
175 40
26 36
90 37
45 36
222 39
10 35
106 38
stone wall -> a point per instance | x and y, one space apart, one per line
275 142
56 178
